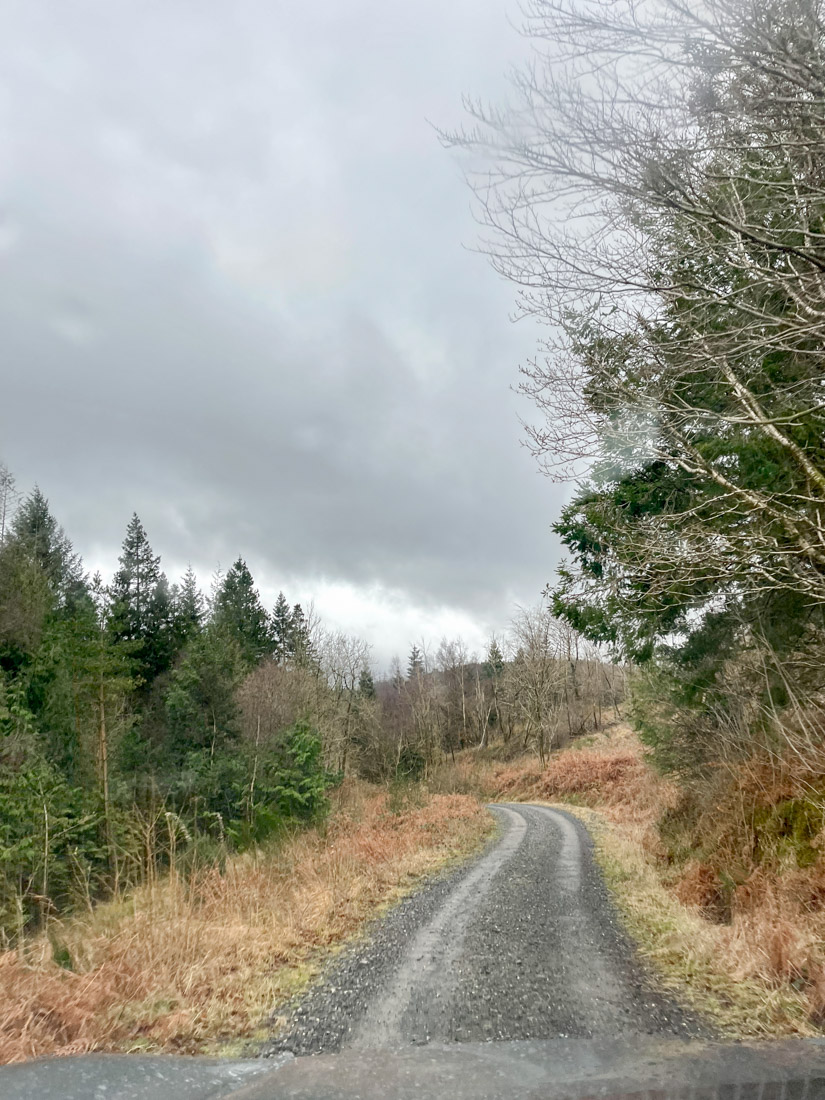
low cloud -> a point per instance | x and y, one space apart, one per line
235 299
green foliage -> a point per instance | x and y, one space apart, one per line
281 622
121 734
294 780
366 684
695 542
494 663
411 763
415 663
37 533
140 615
788 831
25 603
50 835
239 614
200 701
188 610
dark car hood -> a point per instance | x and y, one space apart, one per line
552 1069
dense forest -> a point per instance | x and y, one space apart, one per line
140 718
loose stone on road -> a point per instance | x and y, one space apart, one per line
523 943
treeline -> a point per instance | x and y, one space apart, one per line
540 685
661 203
142 721
130 716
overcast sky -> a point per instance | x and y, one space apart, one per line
236 297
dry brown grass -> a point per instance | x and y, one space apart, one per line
739 933
189 963
611 772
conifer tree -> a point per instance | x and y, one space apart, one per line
282 630
301 642
415 663
45 542
203 716
162 626
188 610
139 614
101 683
239 613
26 601
494 664
366 684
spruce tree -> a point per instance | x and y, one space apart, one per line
415 663
300 640
139 599
162 626
188 610
494 665
366 684
200 701
26 602
282 630
44 541
239 613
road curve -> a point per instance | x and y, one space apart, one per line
523 943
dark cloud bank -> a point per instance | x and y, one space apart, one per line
234 298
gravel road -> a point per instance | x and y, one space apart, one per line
521 943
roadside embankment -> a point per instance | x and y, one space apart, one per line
199 960
722 886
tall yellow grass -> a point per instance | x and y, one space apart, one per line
193 961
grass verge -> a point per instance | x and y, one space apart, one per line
690 955
191 964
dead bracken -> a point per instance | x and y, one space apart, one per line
198 960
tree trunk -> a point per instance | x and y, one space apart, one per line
103 748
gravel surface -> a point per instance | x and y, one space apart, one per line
521 943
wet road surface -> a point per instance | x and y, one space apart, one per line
524 943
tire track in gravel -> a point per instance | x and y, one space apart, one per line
522 943
434 951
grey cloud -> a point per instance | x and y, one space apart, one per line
234 296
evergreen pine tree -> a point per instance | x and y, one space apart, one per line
26 602
282 630
188 610
366 684
301 643
200 700
162 625
139 613
415 663
494 664
45 542
239 613
203 721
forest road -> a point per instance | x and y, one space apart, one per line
521 943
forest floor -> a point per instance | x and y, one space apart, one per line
755 972
196 964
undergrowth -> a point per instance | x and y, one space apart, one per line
201 958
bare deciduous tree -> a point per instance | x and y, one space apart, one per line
657 192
